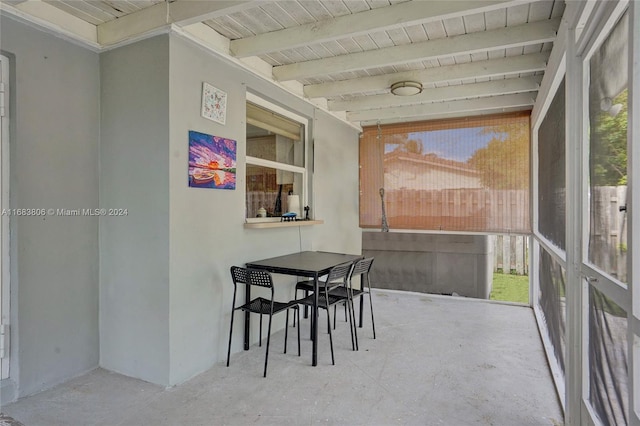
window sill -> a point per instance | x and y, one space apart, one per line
256 225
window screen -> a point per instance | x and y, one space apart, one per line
458 175
551 172
608 153
608 364
552 302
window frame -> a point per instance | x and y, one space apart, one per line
255 161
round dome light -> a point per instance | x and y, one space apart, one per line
406 88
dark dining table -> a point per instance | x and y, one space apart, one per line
311 264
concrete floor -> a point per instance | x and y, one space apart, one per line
437 360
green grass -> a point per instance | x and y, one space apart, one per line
510 288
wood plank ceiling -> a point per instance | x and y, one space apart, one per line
471 57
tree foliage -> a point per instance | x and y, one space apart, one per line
504 162
608 156
402 143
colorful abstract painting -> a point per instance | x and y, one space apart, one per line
212 161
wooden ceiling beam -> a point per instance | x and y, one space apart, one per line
446 115
503 38
480 69
440 94
452 107
380 19
182 13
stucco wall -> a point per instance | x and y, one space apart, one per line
207 233
147 294
134 175
54 164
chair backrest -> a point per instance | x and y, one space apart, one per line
255 277
260 278
362 266
339 273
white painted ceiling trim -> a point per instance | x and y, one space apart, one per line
41 15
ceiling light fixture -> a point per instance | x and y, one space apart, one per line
406 88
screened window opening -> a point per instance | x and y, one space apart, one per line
608 153
552 172
608 359
453 175
552 301
276 175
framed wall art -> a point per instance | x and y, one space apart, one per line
212 161
214 103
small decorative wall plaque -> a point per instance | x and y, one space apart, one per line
214 103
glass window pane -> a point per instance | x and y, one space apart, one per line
268 188
608 371
268 146
608 153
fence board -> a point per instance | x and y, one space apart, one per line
473 209
511 254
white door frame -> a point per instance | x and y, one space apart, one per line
584 39
5 276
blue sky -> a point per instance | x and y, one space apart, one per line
452 144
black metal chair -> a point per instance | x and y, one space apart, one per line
338 277
360 268
307 287
260 305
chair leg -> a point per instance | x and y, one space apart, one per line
352 324
306 308
353 340
333 361
335 307
361 308
295 295
334 316
260 342
373 323
298 315
230 335
286 331
233 311
266 355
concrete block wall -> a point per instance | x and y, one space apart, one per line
431 263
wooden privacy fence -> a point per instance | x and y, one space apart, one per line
511 254
607 237
608 230
469 209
